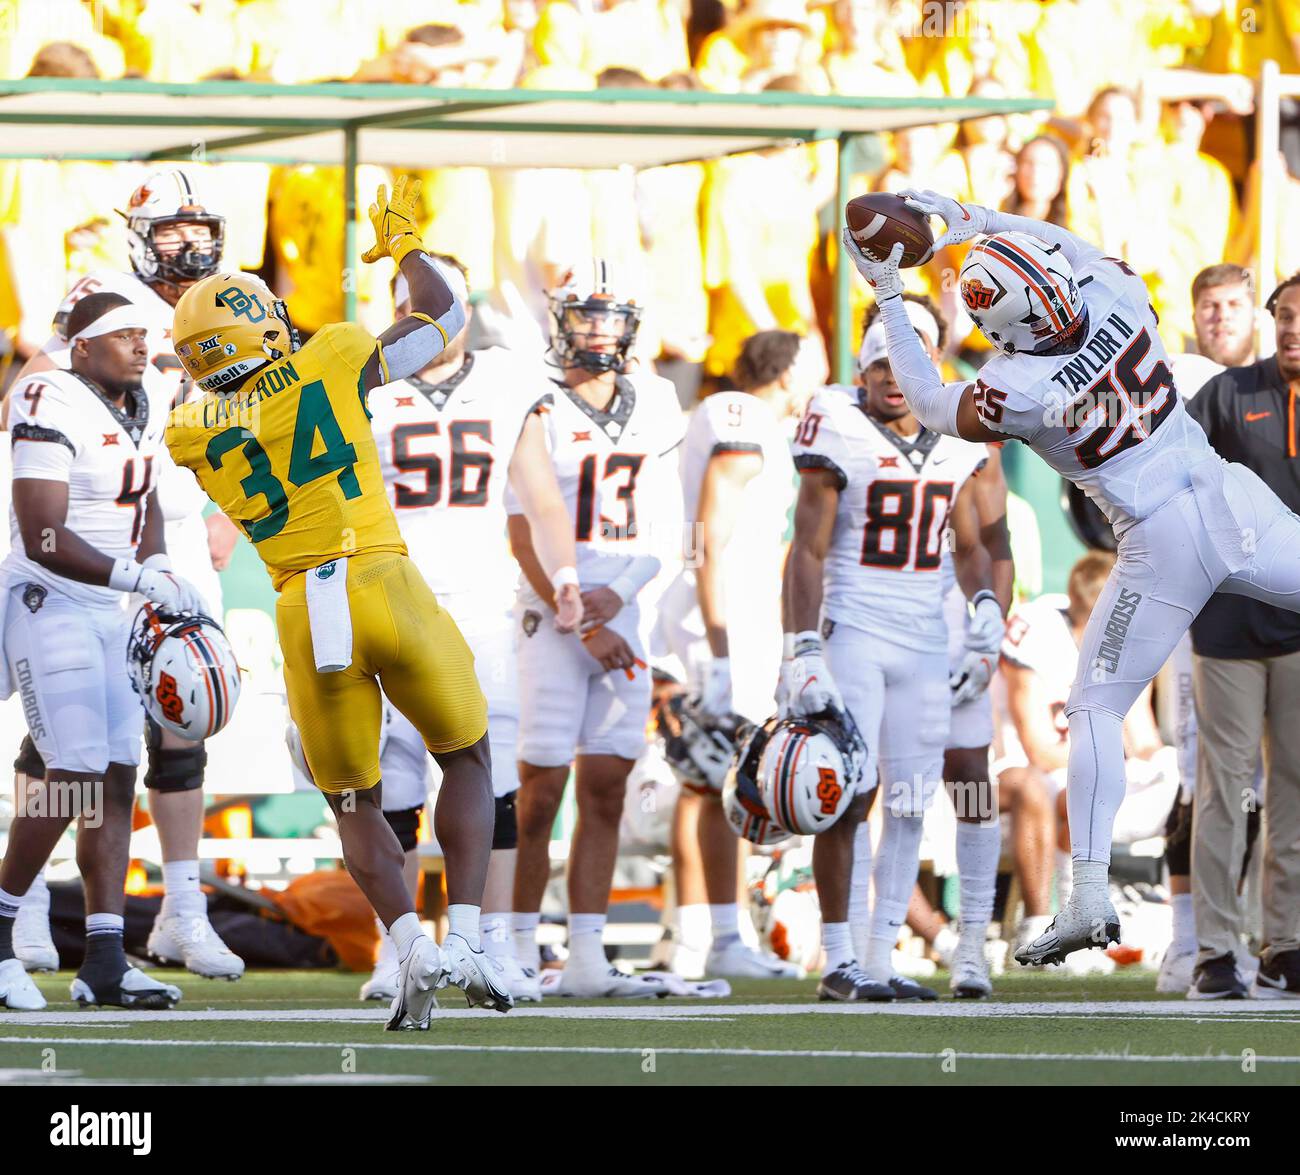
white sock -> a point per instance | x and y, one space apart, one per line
1091 878
527 953
694 927
386 952
404 931
897 863
838 945
1064 879
978 849
37 896
586 945
1184 924
9 904
860 891
181 892
462 919
725 919
1095 783
494 934
104 924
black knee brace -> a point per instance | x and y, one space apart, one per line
505 834
406 824
29 761
1178 839
173 768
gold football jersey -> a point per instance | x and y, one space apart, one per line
291 457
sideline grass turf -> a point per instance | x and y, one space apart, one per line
1039 1029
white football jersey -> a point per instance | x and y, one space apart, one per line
1039 638
1107 416
445 451
736 422
115 455
613 468
179 493
884 570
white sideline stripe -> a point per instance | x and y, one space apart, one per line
559 1009
592 1050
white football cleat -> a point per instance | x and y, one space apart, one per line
481 977
970 969
735 960
1176 969
524 985
33 943
385 978
132 989
608 983
1084 923
189 941
422 974
17 991
689 962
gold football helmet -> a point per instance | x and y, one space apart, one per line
229 325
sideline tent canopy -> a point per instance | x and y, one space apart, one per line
342 124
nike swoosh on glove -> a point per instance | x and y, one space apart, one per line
987 627
169 593
812 687
882 276
971 678
715 694
961 221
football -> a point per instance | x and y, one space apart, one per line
880 219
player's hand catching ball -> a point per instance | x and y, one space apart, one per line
882 276
962 221
568 608
599 606
394 220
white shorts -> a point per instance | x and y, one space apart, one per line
187 544
568 704
971 724
68 664
901 702
410 772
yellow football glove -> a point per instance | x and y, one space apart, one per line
394 221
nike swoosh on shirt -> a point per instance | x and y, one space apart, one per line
1251 417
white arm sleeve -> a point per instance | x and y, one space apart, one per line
639 572
415 351
1077 251
932 402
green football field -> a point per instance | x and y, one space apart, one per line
309 1028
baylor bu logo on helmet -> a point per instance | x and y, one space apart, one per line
227 326
184 671
1021 293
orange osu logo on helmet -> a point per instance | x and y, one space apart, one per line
173 707
976 294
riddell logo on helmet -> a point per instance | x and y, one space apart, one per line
173 707
976 294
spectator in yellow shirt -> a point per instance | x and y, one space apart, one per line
646 35
770 39
865 55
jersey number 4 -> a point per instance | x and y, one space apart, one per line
315 416
891 510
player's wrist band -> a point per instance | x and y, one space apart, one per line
984 594
125 575
787 646
807 642
563 577
586 636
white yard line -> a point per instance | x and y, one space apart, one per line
1241 1011
594 1050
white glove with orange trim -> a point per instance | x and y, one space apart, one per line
962 221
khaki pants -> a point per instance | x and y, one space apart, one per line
1239 706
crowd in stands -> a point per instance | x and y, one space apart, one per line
1146 150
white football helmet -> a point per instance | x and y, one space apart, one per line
185 672
698 748
1021 293
741 801
595 319
166 198
809 769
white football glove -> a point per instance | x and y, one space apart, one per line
971 678
812 689
962 221
785 680
169 593
987 627
882 276
715 695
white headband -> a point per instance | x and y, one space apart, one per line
873 344
125 317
